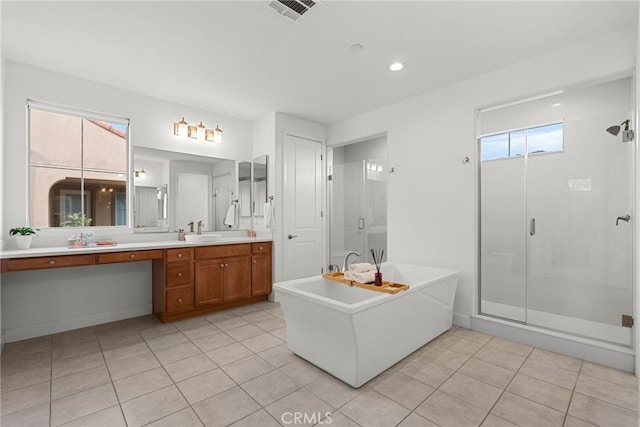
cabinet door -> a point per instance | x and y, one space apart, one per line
237 278
260 274
209 281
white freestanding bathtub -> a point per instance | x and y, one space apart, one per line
354 333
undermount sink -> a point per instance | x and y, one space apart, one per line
207 237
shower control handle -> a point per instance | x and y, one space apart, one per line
292 236
625 218
532 227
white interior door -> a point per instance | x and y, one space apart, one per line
192 203
302 202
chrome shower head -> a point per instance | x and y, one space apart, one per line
627 135
614 130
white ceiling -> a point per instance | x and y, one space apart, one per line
243 59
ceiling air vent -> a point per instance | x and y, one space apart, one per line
292 9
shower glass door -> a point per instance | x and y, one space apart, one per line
359 210
553 252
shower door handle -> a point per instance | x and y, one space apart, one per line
360 223
532 227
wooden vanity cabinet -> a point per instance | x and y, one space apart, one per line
178 280
261 268
223 273
198 280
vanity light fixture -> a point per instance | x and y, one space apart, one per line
139 174
200 132
214 135
180 128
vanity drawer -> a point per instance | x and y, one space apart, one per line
49 262
179 273
261 248
179 300
222 251
183 254
130 256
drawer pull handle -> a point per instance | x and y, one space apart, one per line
179 255
179 274
52 262
179 299
221 265
260 248
226 265
132 256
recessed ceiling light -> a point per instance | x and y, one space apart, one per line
397 66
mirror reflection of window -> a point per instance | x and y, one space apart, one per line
77 167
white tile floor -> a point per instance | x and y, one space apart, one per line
233 368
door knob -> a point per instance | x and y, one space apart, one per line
291 236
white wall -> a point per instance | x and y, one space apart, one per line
130 285
429 135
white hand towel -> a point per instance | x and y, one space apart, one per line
361 267
230 218
366 277
348 275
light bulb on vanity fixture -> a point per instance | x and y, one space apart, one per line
214 135
180 128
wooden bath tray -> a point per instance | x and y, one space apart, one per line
387 287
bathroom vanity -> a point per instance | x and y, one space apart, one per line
192 281
188 278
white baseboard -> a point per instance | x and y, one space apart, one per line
462 320
62 325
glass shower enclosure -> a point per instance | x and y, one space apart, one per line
358 197
556 220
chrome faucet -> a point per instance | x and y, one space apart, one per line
190 227
200 224
346 260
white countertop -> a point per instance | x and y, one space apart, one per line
63 250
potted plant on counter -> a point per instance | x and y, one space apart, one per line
23 236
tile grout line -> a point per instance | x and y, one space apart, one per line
573 391
504 390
